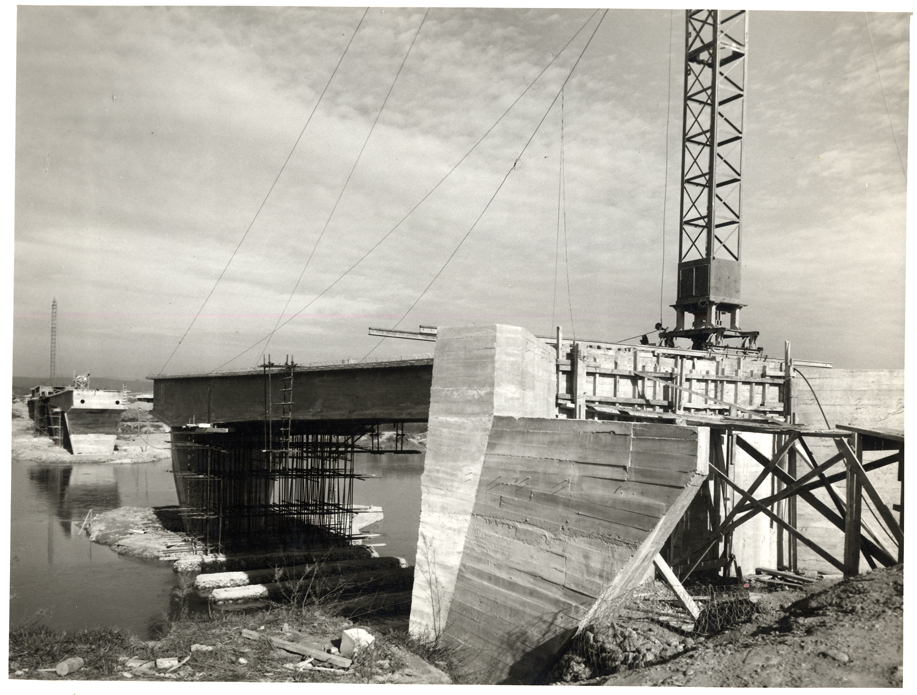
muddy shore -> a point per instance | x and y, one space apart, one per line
149 441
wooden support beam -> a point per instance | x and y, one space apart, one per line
901 506
801 483
878 552
853 520
313 650
766 471
776 519
793 548
676 586
727 524
836 477
870 489
827 482
790 491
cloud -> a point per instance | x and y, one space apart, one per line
148 140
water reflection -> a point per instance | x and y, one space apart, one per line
56 570
71 491
392 481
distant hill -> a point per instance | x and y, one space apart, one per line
22 385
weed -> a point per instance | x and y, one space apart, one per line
430 582
37 646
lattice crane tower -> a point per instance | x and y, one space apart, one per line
710 239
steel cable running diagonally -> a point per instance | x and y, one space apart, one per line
500 185
349 176
410 212
268 194
888 114
562 220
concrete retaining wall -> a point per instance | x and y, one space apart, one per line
529 524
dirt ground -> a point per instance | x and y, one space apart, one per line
836 633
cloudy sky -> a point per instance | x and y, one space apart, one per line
188 178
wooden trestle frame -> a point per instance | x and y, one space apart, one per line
793 473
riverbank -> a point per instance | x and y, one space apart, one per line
146 442
221 648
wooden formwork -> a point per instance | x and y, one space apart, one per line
604 380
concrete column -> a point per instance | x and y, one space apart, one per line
478 372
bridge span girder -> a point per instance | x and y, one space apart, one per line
391 391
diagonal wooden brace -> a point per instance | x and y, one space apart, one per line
876 551
854 463
780 522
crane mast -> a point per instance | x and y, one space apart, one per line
53 341
709 299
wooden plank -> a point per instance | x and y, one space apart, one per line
878 432
710 398
676 586
877 500
305 649
786 575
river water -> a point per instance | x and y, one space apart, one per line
57 574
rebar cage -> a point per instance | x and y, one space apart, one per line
235 491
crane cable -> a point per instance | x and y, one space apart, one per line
563 186
888 114
270 190
665 194
500 186
562 218
417 205
347 181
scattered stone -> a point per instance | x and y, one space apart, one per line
201 648
166 663
689 672
383 664
837 655
243 660
127 674
301 666
74 663
355 640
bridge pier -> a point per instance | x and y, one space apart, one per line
530 523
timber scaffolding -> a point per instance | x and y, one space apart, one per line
278 481
748 403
